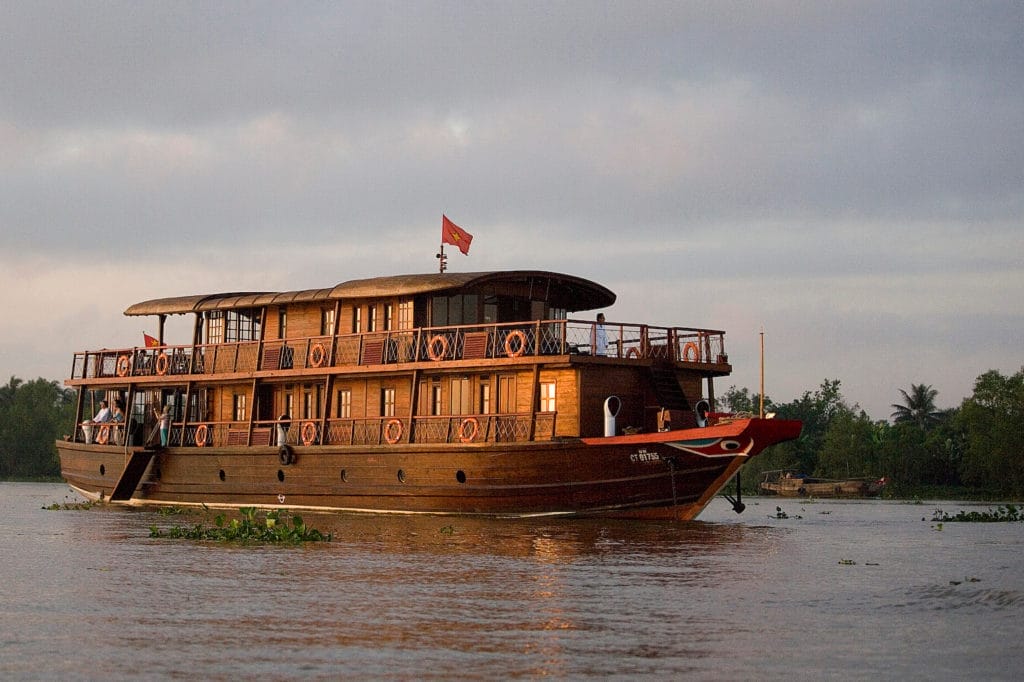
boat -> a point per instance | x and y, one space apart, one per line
791 483
445 393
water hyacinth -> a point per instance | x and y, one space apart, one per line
272 526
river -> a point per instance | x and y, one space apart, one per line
837 590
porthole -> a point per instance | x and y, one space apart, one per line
280 476
221 474
344 476
103 470
460 476
401 476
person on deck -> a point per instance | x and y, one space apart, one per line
601 337
103 415
164 420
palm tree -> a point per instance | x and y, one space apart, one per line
918 407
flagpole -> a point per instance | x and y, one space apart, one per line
442 260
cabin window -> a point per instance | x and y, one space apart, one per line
371 318
289 404
435 399
357 325
485 398
452 310
215 327
547 396
387 402
462 398
405 315
327 322
389 310
344 409
238 407
506 394
282 323
307 403
241 325
557 314
491 310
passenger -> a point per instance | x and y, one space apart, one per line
118 415
103 415
164 423
601 340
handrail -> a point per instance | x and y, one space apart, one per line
426 344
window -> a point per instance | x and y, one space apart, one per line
215 327
389 310
485 398
547 396
435 399
327 322
289 404
371 318
462 399
344 409
387 402
307 403
238 407
458 309
282 323
405 315
356 321
242 325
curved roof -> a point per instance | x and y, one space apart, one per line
563 291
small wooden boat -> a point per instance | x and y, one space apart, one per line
448 393
790 483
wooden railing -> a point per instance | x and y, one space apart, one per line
435 344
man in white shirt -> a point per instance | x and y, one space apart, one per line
103 415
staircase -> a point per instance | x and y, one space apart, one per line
666 387
131 475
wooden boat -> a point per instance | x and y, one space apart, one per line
790 483
463 393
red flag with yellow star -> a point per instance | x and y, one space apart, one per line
455 235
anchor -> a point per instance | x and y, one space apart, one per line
737 502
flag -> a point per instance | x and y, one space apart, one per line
150 341
455 235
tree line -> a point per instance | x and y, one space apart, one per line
976 449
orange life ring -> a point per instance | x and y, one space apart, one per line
308 433
691 346
633 352
468 437
201 433
163 363
123 364
317 355
515 334
444 348
104 435
390 435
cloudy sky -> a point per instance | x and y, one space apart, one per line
848 177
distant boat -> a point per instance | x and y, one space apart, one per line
468 393
790 483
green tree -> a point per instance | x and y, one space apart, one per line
850 447
741 400
992 421
918 407
32 416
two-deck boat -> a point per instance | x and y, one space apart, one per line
465 393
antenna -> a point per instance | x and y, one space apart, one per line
442 259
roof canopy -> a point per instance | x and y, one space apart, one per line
562 291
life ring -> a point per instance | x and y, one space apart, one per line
515 334
284 455
393 435
104 435
468 436
633 352
123 364
444 348
162 364
317 355
308 433
202 431
687 356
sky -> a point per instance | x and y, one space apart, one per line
845 178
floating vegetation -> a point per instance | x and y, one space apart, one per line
173 511
67 505
779 514
1002 513
272 526
847 562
